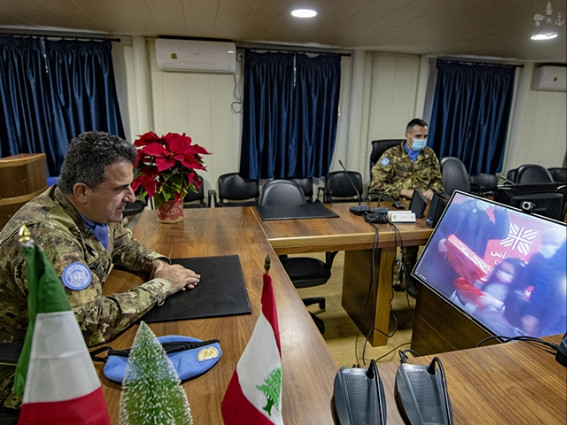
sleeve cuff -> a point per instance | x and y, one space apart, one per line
160 288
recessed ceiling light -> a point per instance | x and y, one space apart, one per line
304 13
544 36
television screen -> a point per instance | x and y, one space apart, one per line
501 266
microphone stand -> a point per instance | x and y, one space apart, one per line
357 209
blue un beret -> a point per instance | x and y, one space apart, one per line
187 362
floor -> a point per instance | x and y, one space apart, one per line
346 343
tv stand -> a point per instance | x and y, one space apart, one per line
440 327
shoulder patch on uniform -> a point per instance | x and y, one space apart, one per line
76 276
385 161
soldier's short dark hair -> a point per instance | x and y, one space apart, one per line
88 156
415 122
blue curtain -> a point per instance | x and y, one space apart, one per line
50 91
290 114
24 99
470 114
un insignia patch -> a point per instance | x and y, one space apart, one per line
385 161
76 276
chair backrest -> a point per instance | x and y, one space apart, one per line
338 187
483 183
307 186
511 176
378 148
282 192
195 199
533 173
559 174
237 190
454 175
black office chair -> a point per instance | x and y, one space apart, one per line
136 207
483 184
511 176
533 173
378 148
196 199
236 191
133 208
307 186
454 175
304 272
338 187
559 174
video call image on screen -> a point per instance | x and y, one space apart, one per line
501 266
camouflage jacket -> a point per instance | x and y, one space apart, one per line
59 230
395 171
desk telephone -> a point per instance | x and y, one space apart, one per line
420 393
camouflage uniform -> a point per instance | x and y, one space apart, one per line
395 171
59 230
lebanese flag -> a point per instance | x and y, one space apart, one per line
253 396
55 372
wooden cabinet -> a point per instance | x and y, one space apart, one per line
22 177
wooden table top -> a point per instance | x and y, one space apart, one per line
308 367
347 232
517 383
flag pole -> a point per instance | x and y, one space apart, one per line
267 264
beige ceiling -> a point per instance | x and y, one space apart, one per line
486 28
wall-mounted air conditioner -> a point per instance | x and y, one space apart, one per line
550 77
195 55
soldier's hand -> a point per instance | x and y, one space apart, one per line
179 276
428 194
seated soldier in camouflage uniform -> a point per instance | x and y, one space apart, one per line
78 225
401 170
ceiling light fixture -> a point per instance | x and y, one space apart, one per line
304 13
544 36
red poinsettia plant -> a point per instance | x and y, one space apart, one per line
165 166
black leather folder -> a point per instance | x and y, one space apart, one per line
221 292
295 212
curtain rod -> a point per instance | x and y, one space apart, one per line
77 36
290 49
477 62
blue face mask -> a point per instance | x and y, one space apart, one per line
418 145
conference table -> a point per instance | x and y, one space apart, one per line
516 383
513 383
308 368
370 252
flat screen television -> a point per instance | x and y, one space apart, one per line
504 268
547 199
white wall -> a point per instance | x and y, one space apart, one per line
538 134
380 93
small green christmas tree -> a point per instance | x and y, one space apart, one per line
151 390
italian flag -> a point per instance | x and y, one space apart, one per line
253 396
55 372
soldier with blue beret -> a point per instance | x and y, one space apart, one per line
411 165
78 225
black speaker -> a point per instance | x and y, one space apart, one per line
438 204
418 203
421 396
358 398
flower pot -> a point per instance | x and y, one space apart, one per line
170 212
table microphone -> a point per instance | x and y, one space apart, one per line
357 209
